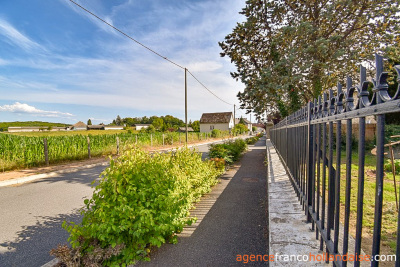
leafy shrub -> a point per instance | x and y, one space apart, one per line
388 165
239 129
169 139
252 140
220 151
229 150
219 163
216 133
141 201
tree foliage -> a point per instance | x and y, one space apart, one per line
287 51
162 123
195 126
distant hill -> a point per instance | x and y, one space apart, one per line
4 125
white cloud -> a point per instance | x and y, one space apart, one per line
93 7
204 66
26 109
16 37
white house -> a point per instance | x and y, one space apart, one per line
113 127
246 122
141 126
221 120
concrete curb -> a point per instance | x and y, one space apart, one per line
31 178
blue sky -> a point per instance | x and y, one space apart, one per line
59 64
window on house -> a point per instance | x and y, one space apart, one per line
211 127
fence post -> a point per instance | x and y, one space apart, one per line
136 139
163 139
46 151
88 144
309 158
380 85
117 145
151 139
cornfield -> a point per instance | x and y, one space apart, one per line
28 151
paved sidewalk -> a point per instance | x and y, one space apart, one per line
231 220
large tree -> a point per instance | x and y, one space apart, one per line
287 52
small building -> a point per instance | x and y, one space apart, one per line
113 127
183 129
79 126
25 129
21 129
95 127
246 122
141 126
57 128
220 120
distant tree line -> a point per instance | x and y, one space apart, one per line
162 124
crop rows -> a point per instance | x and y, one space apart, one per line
23 151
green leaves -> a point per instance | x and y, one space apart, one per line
287 52
141 201
229 151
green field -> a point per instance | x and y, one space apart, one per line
24 150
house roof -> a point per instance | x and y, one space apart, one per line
246 121
79 124
183 129
95 126
219 117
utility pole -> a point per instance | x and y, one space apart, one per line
186 123
251 126
234 115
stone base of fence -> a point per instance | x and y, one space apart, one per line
289 234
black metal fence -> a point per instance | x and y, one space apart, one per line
305 143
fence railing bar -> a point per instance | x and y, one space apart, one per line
337 184
331 182
360 191
380 142
318 140
349 134
324 237
391 106
324 164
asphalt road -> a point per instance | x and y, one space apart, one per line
31 214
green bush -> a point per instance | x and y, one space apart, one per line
141 201
388 165
216 133
239 129
252 140
229 150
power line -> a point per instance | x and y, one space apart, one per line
136 41
148 48
208 89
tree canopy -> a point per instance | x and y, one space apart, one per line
162 123
287 51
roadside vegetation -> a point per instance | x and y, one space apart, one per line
141 202
19 151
